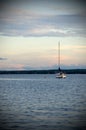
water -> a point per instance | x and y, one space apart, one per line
42 102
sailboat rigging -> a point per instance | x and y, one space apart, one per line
60 74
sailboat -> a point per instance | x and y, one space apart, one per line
60 74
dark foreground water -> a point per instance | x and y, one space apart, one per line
42 102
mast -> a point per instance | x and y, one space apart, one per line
59 56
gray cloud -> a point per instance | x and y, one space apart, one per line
1 58
22 20
71 66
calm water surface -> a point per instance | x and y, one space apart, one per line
42 102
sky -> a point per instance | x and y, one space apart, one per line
31 29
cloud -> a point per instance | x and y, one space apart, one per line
41 67
52 26
1 58
32 20
27 67
71 66
11 66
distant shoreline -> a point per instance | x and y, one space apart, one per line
67 71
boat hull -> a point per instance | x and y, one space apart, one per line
61 75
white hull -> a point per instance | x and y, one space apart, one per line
61 75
